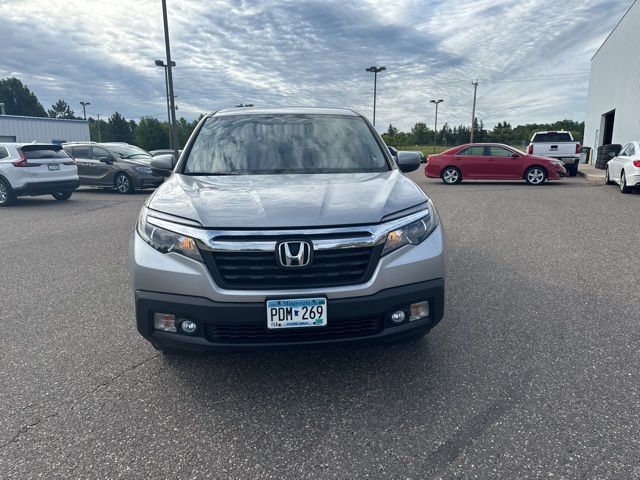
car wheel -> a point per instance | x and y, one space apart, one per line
624 188
62 196
7 197
535 176
123 183
451 176
607 177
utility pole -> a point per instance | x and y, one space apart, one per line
473 112
172 101
375 71
99 135
84 109
435 128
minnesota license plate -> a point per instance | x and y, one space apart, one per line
53 166
298 312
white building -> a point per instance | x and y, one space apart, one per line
48 130
613 109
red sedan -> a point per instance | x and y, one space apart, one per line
492 161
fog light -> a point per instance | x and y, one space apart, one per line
165 322
398 317
188 326
419 310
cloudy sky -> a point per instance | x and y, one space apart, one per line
531 57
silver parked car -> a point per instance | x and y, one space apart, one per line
286 227
624 169
113 165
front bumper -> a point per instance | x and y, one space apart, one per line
46 188
148 181
243 326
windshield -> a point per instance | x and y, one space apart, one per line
128 151
552 137
284 143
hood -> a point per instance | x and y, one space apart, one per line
286 201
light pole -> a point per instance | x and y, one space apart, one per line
169 64
84 109
473 112
435 128
160 63
375 71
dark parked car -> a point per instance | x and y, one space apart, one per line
118 165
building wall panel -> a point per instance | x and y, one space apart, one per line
35 129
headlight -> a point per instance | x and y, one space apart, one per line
414 233
166 241
144 169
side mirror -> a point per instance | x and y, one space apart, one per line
106 160
393 151
408 161
515 155
162 165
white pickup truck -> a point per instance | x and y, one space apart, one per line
560 145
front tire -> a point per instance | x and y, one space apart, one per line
7 197
607 177
62 196
535 176
624 188
451 176
123 183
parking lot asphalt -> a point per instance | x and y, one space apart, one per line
534 371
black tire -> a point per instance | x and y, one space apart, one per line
535 175
624 188
7 197
123 183
171 351
572 170
62 196
451 176
612 148
607 177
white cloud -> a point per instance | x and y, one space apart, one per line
531 57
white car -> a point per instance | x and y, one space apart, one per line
625 168
29 169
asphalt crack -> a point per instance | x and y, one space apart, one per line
37 422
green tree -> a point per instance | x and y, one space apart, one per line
19 100
151 134
118 130
392 131
61 109
421 134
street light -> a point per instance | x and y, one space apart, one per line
160 63
375 71
435 128
168 65
84 109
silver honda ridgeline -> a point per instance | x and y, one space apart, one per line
286 227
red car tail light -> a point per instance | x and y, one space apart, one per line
636 163
530 149
23 162
577 148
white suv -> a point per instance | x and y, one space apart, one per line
35 169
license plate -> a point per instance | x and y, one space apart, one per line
53 166
298 312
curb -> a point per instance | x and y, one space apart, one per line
593 178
